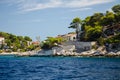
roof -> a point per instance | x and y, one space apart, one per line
1 37
36 42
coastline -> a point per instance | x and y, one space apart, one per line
11 53
91 53
19 53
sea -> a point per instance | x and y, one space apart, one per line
59 68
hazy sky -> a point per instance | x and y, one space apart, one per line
46 17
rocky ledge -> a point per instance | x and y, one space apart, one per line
90 53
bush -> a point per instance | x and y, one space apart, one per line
9 50
22 50
114 39
101 41
94 47
1 51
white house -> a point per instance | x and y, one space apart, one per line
2 40
69 36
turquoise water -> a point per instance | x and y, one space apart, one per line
59 68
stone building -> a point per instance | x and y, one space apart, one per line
69 36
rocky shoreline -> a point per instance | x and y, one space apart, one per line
90 53
19 53
100 51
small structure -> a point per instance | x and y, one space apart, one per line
36 43
69 36
2 40
29 43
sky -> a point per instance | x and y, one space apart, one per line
47 18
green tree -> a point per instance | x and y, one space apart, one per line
17 42
20 38
93 33
45 45
117 18
51 42
8 41
31 47
87 20
116 8
75 20
108 19
95 19
27 38
113 39
5 35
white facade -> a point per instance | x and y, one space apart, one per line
2 39
69 36
29 43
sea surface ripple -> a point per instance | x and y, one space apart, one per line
59 68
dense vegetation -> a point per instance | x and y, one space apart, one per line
101 27
94 28
16 43
51 42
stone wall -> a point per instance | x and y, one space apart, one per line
81 46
